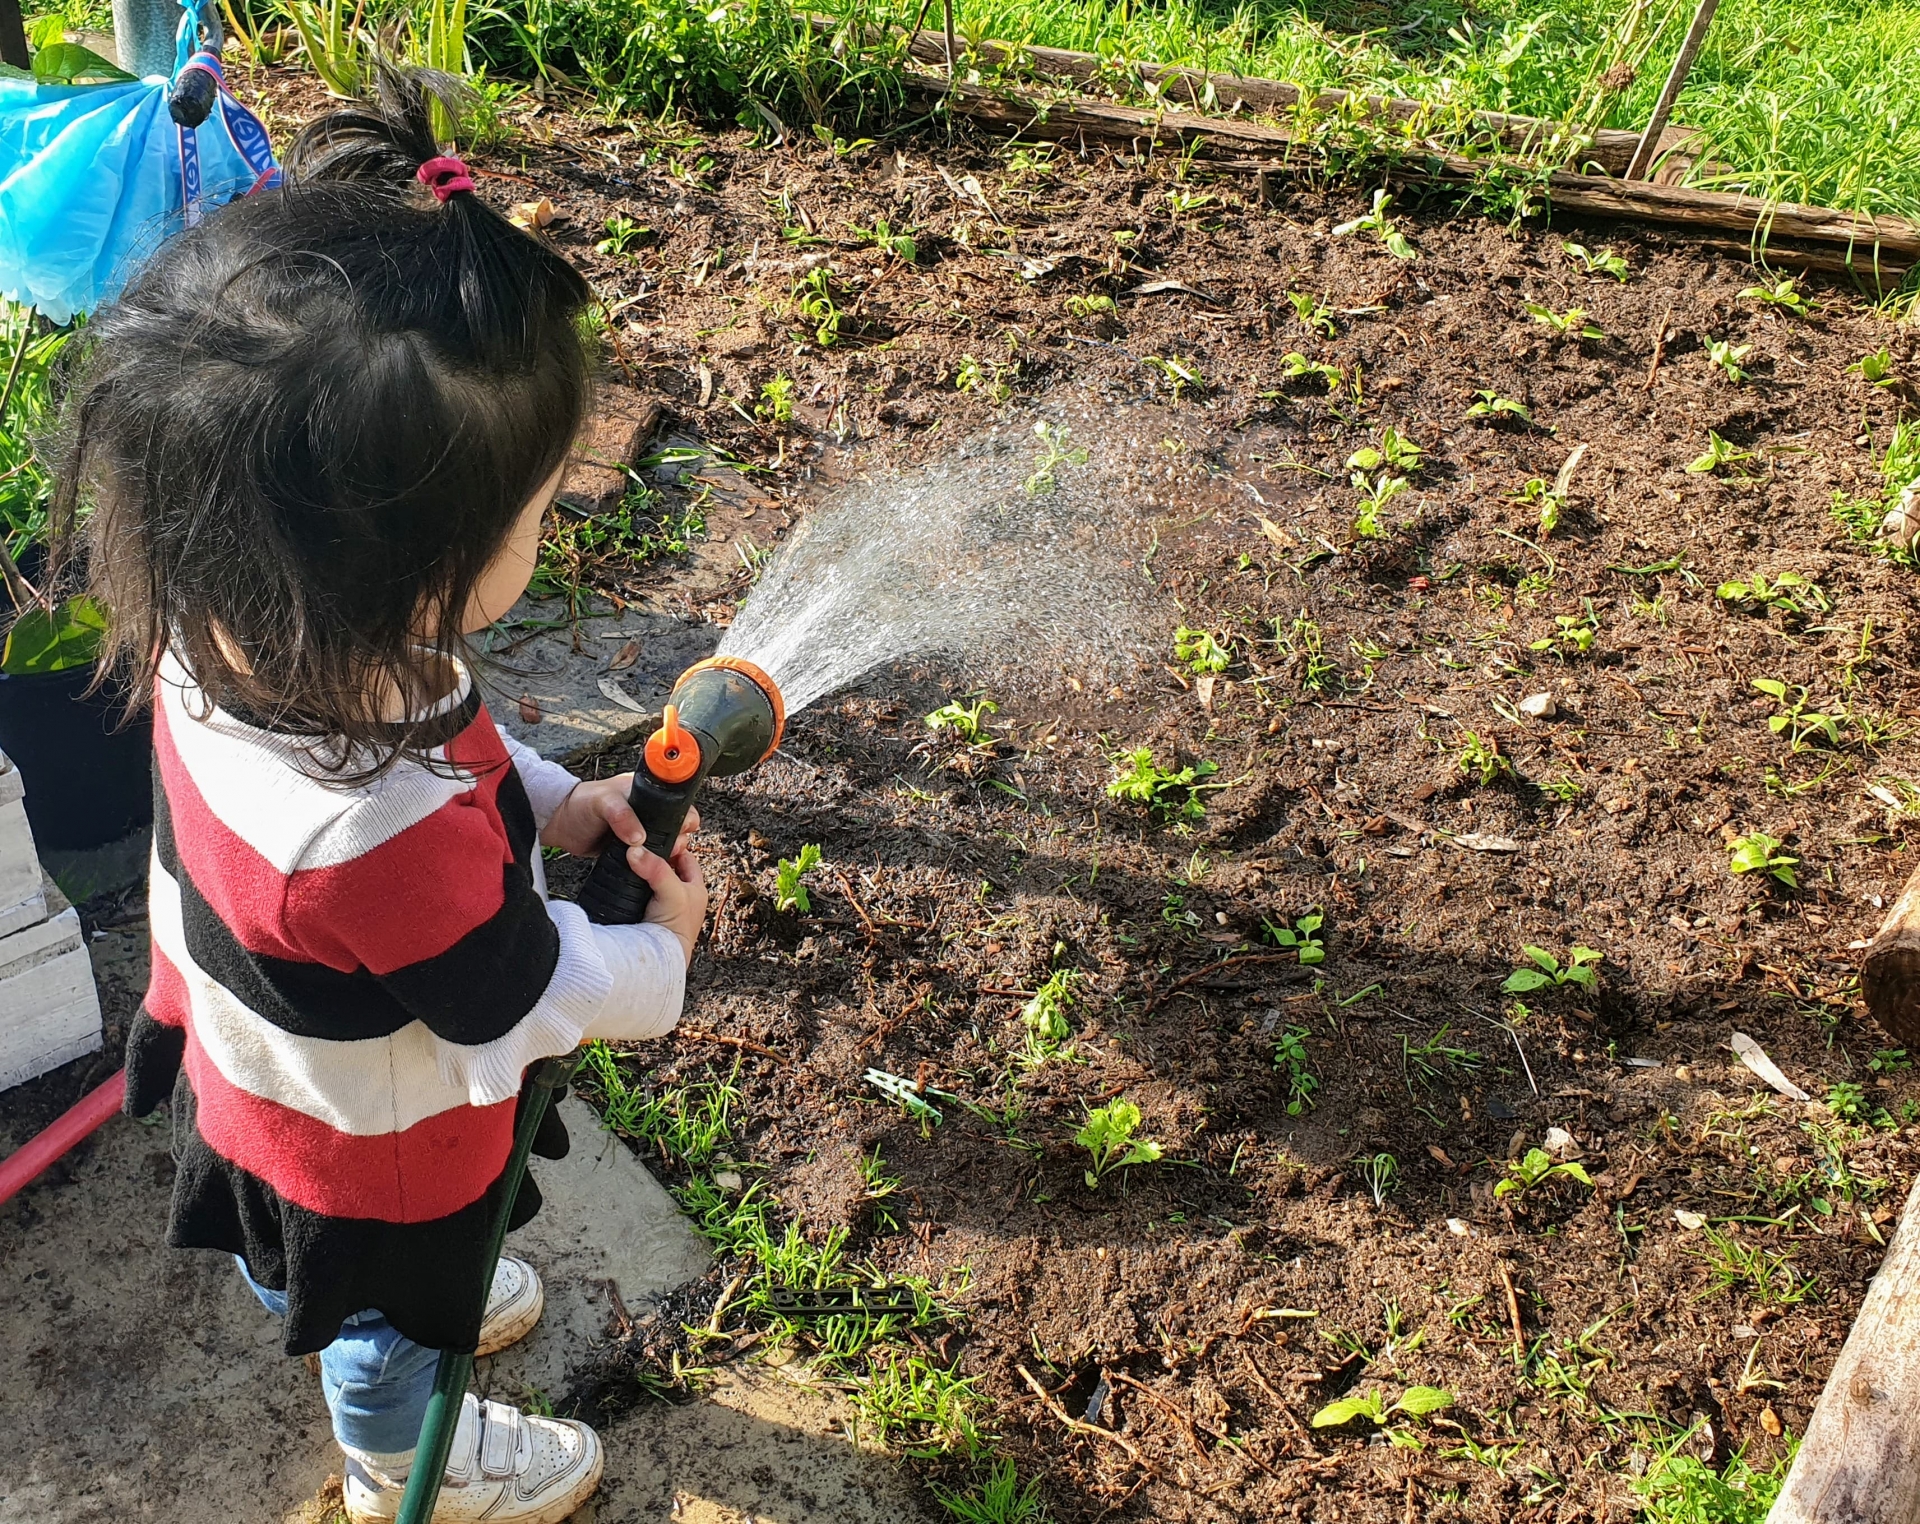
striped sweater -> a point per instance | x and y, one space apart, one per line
348 984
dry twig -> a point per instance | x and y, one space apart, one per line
1079 1426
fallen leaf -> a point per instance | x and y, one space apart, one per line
1480 841
625 657
529 710
1203 690
1440 1154
1458 1227
706 386
1770 1420
1755 1058
620 696
1686 1219
531 215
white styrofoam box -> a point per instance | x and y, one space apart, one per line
21 902
49 1010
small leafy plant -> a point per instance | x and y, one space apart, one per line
1201 652
1303 937
968 722
1054 453
1548 970
1290 1058
790 889
1168 795
1606 262
1314 314
776 400
1481 760
1727 356
1573 634
1795 720
1373 498
989 380
1375 222
1848 1102
1875 369
622 234
882 236
1539 1166
1416 1402
1296 366
1095 304
1109 1137
1757 852
813 300
1783 295
1181 375
1571 323
1493 407
1784 590
1045 1015
1396 450
1381 1172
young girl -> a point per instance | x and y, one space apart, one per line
318 434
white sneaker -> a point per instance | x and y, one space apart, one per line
504 1468
514 1305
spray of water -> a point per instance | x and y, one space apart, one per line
979 559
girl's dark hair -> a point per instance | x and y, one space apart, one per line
309 424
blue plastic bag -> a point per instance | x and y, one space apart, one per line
94 177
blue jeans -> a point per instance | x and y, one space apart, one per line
376 1381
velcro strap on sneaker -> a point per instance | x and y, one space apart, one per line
499 1440
463 1455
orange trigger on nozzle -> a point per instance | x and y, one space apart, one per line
673 753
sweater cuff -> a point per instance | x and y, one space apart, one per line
547 783
649 973
578 993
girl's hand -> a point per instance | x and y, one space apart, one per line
598 808
679 900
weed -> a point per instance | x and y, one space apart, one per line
1181 375
336 44
1679 1489
971 376
1416 1402
1769 1278
1783 295
1606 262
878 1185
1200 651
1045 1016
1565 789
968 722
1296 367
1381 1172
1718 453
1481 760
911 1397
882 236
1375 222
1092 305
776 399
1757 852
1573 634
1876 369
1795 720
1373 497
1889 1061
685 1123
813 300
1787 590
1000 1499
1314 314
790 890
1493 407
838 146
1548 970
1849 1102
1054 453
1168 795
1396 450
1302 643
1303 937
1550 499
1290 1058
1868 517
1569 324
1109 1137
1539 1166
622 234
1727 356
1430 1060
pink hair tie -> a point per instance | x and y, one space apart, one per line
444 177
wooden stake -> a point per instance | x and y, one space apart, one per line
1890 972
1641 165
1859 1460
1659 354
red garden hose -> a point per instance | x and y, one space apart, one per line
27 1163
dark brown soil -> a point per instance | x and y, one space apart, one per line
945 899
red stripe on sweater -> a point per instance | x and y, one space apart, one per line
167 1001
346 915
433 1168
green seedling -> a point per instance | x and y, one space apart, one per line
1290 1058
1784 590
1767 1277
1185 201
1848 1102
1296 366
1757 852
876 1186
1381 1172
1679 1489
1571 323
1168 795
1573 634
776 400
1302 643
1784 295
989 380
1416 1402
1303 937
882 236
1493 407
1375 222
1539 1166
1606 262
1481 760
1889 1061
1000 1499
1109 1138
1429 1060
1372 498
1200 651
790 889
1054 453
910 1097
1728 356
1875 369
622 234
1181 375
1045 1016
1798 723
1315 315
968 722
1092 305
813 300
1549 502
1396 450
838 146
1548 970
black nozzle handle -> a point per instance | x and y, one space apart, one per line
191 99
614 895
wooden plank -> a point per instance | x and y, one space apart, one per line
1859 1460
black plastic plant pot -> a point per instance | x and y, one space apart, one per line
87 766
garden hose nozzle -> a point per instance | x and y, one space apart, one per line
724 716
